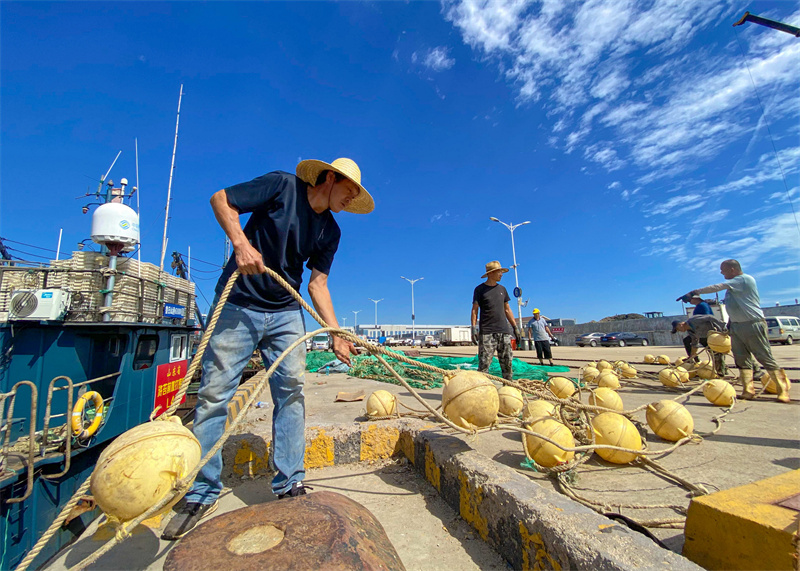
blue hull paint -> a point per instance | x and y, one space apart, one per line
39 352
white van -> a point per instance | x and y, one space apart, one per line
783 329
321 342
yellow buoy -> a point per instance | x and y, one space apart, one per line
141 466
719 392
590 374
679 361
544 453
602 365
620 363
606 397
768 384
613 429
719 342
670 420
470 400
662 360
608 379
683 373
628 371
705 370
562 387
649 359
591 364
537 409
670 378
511 402
381 403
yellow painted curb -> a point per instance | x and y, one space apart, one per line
743 527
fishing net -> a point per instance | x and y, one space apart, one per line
368 367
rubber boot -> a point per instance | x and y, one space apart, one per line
781 381
748 390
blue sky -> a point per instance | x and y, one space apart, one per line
629 133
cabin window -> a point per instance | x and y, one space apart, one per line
180 348
145 352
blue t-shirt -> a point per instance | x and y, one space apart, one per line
702 308
287 232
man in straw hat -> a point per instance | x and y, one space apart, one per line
496 321
291 224
747 327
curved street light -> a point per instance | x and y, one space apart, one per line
412 282
511 228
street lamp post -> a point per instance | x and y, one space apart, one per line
355 327
344 322
412 282
511 228
375 301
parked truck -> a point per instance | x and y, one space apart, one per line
456 336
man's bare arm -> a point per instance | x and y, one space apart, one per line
248 258
321 298
510 316
473 319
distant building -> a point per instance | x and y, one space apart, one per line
401 331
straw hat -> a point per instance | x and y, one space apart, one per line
309 170
493 266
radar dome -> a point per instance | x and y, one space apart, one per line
115 223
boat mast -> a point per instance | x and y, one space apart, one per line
138 210
169 186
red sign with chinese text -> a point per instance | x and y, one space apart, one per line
557 330
168 380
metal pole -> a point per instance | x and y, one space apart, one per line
516 277
355 327
189 266
413 316
58 248
169 186
138 211
375 301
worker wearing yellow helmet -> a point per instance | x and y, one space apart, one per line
541 335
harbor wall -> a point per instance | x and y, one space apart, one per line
656 330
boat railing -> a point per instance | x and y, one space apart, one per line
31 451
39 445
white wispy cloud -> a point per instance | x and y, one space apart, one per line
586 56
776 271
437 217
435 59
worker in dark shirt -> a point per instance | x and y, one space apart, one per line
700 308
699 327
497 322
291 224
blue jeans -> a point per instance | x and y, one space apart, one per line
237 334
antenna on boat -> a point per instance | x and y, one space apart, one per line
169 186
138 210
103 179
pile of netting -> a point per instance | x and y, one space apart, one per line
368 367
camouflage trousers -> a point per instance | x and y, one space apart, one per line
487 345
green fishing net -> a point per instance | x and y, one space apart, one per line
368 367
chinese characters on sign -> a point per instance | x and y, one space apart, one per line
168 380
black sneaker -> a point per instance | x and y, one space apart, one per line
298 489
186 518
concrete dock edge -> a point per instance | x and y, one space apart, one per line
531 527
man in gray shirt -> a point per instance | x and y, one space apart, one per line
747 327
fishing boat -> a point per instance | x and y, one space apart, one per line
92 346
